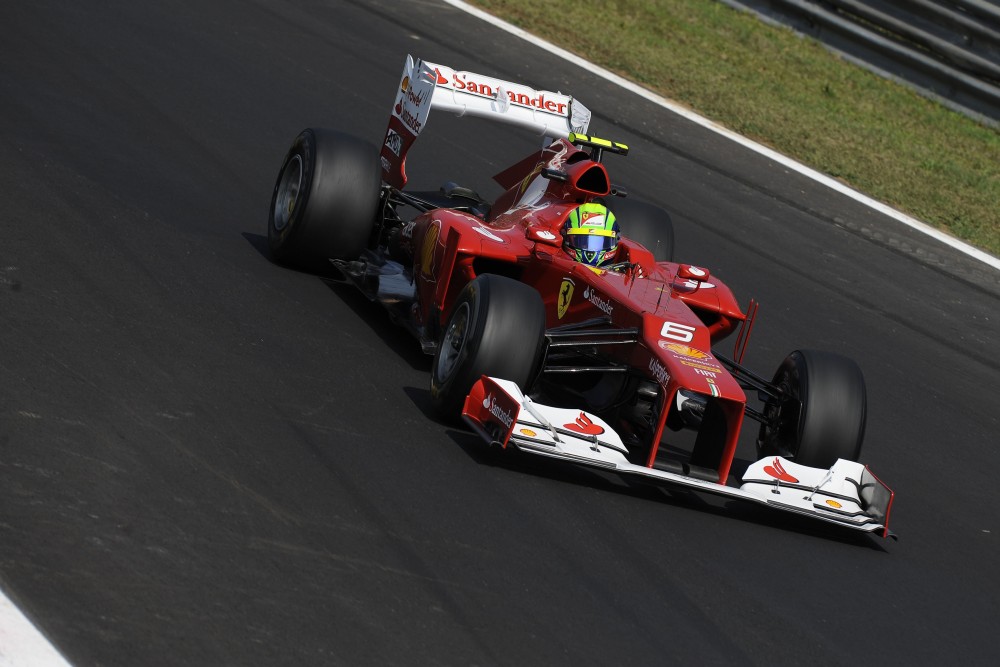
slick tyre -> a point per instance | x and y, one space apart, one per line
496 328
821 415
646 224
325 200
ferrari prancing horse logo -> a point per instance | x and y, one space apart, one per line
565 296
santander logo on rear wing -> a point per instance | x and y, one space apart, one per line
425 86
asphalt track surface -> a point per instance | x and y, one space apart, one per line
206 459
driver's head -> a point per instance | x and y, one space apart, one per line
591 234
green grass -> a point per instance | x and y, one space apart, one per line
791 94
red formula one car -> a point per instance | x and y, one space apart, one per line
559 323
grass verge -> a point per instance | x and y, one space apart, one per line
793 95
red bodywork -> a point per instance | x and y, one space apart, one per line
679 310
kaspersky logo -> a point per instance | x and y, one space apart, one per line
565 297
490 404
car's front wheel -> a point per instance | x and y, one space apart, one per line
820 416
497 328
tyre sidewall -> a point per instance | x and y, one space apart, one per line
834 409
281 242
335 213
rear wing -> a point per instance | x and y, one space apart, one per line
425 86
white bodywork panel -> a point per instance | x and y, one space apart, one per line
847 494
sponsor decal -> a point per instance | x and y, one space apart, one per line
465 81
548 236
834 504
404 84
393 141
488 234
602 304
385 164
709 374
584 424
659 372
417 100
565 296
592 219
702 367
528 432
413 104
409 120
682 332
491 406
696 272
684 350
777 471
427 250
712 388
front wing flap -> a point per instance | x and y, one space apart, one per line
848 494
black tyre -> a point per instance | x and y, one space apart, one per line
325 200
821 416
496 328
646 224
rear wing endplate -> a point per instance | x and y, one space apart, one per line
425 86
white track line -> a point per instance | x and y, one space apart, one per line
21 644
831 183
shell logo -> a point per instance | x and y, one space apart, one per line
528 432
685 351
834 504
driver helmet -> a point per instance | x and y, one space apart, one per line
591 234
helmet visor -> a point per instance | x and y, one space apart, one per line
591 240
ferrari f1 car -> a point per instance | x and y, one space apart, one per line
611 366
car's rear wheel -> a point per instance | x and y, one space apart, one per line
496 328
647 225
325 200
820 416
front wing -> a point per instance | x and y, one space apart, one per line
848 494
